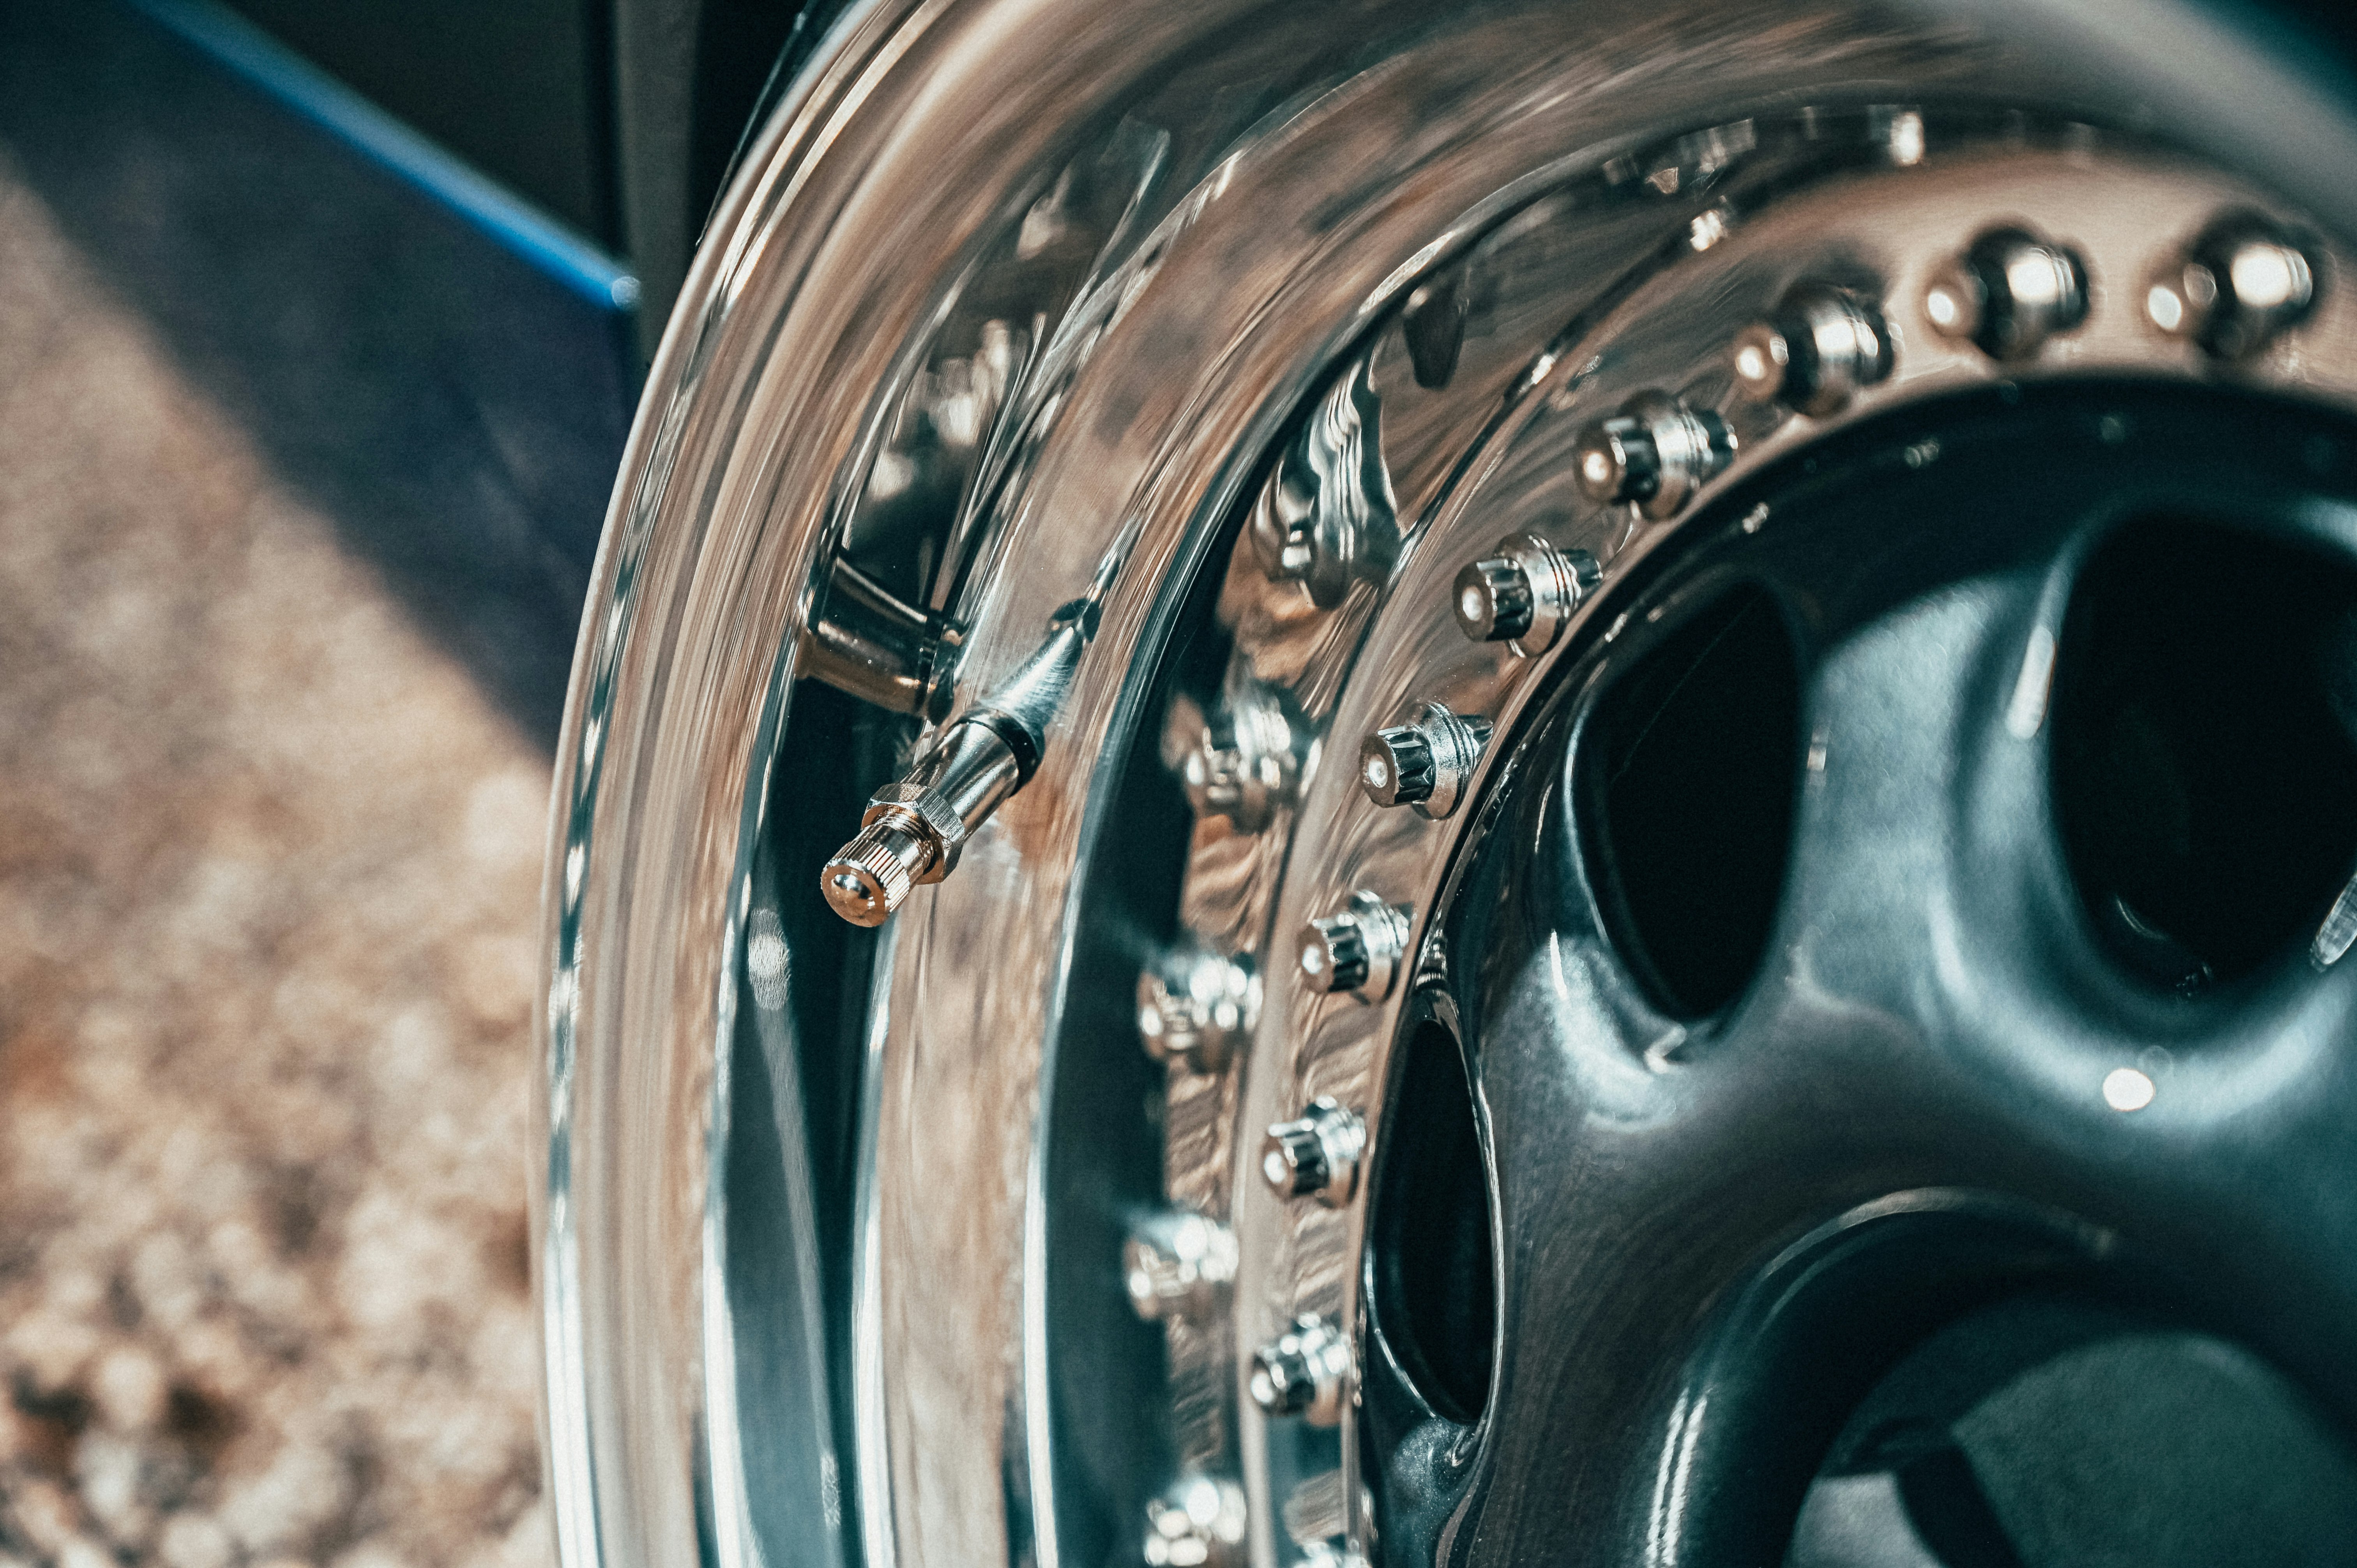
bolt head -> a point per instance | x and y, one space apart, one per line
2243 281
1823 344
1316 1155
1654 454
2266 274
1303 1373
1523 592
1293 1159
1197 1008
1357 950
1613 462
2168 308
1493 599
1198 1523
2009 293
1397 766
1334 953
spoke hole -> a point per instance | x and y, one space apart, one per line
2205 779
1687 781
1436 1297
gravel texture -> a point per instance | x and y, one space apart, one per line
268 879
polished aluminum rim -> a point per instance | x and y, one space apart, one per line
1153 322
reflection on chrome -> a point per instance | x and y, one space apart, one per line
2127 1088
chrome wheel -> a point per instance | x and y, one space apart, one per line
1502 670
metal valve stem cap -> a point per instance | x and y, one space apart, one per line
1357 950
1303 1373
916 825
1316 1155
872 876
1427 764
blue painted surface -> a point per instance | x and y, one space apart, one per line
259 59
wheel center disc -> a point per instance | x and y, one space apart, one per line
1805 1130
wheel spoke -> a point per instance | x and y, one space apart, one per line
1937 1047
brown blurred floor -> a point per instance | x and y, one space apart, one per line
268 874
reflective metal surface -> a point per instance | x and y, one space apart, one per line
1250 327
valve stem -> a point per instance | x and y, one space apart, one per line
915 827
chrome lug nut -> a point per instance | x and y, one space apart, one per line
1653 455
1357 950
1197 1008
1198 1523
1820 347
1524 594
2241 283
2008 295
1176 1263
1316 1155
1304 1372
1427 764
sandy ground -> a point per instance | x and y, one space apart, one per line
268 876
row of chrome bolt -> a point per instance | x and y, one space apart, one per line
2233 291
2237 287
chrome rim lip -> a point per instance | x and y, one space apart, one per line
707 551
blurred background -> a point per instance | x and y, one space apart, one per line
318 349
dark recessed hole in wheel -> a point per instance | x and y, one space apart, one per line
2050 1431
1687 788
1435 1295
2205 778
